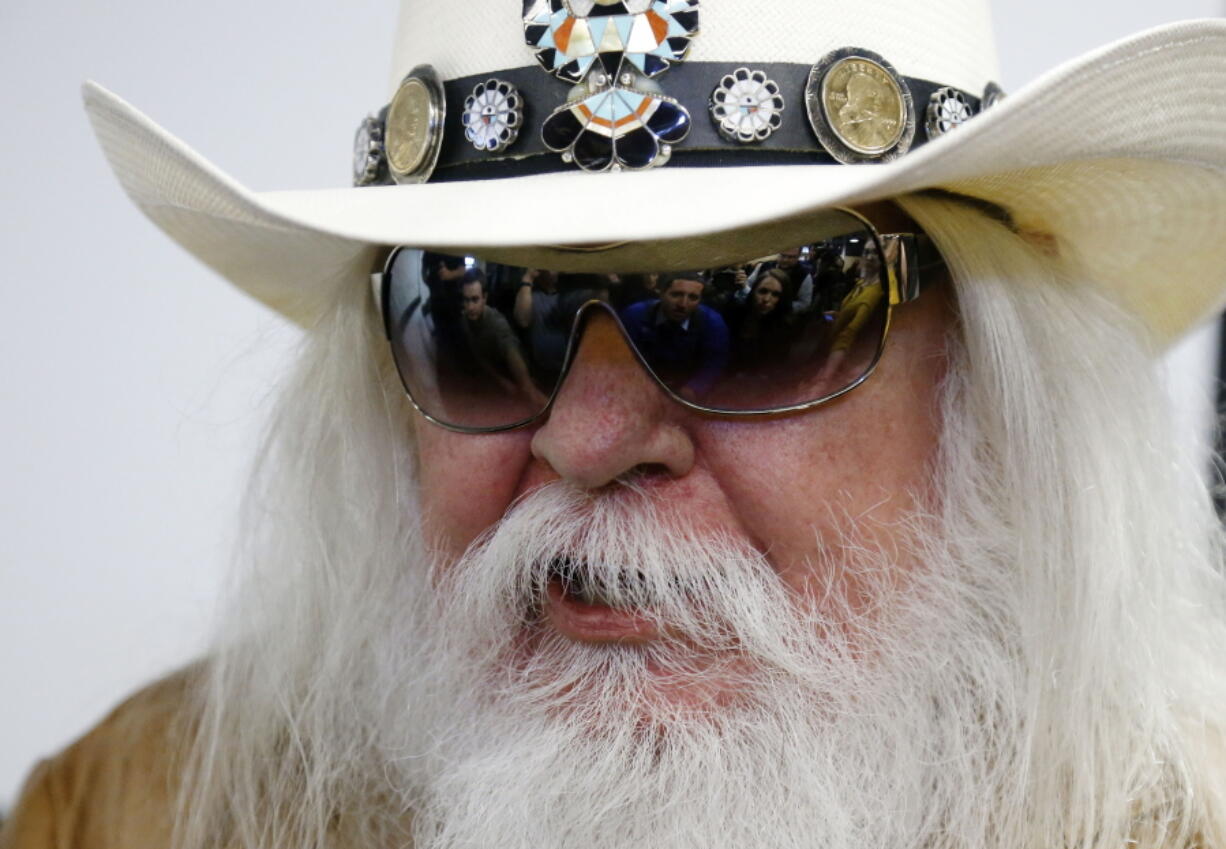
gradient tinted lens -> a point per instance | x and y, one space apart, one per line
483 345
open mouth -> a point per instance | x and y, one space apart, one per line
589 610
577 583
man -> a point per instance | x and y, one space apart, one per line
682 339
969 596
536 312
492 353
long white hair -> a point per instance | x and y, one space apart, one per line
1054 677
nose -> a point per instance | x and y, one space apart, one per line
610 417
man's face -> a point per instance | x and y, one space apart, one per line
789 258
798 491
473 300
681 299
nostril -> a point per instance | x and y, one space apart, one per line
651 470
647 474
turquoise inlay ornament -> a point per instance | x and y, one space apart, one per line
614 119
570 36
617 128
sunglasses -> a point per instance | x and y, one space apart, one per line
482 346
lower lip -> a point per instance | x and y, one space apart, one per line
595 623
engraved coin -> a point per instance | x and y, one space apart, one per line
410 127
864 105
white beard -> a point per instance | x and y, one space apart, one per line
829 727
1044 671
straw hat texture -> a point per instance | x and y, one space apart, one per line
1121 153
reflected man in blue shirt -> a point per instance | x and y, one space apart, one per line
684 341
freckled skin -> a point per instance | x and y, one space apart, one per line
780 482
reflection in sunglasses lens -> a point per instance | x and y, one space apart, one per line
484 345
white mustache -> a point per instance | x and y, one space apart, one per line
629 549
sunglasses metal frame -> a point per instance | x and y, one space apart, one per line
904 272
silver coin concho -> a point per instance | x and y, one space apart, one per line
413 134
859 107
492 115
747 106
948 109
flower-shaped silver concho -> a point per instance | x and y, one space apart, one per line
369 162
746 106
947 110
492 115
992 95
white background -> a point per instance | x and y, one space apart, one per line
133 379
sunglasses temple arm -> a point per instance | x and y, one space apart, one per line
917 257
376 290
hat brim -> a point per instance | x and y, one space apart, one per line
1121 153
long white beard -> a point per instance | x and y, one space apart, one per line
802 722
1046 672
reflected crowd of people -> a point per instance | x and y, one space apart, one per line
774 326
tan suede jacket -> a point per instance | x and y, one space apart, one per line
115 788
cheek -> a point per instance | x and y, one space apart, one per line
850 470
467 481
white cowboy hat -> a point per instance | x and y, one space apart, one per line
1121 153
